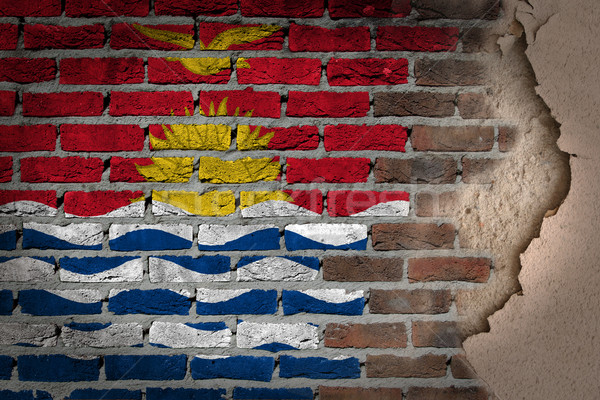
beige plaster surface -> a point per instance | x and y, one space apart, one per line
545 343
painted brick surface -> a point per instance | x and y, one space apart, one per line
39 36
291 71
82 104
32 335
7 103
327 104
17 138
222 36
102 335
101 137
146 367
9 36
319 367
152 37
42 203
248 368
109 8
367 71
357 137
27 70
58 368
315 38
101 71
157 301
61 169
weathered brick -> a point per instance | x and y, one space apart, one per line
362 269
6 171
479 170
101 71
315 38
507 138
177 335
150 103
478 40
58 368
101 137
240 103
288 71
261 268
145 367
106 8
430 170
363 137
7 103
102 335
27 70
282 8
60 302
331 170
468 269
9 36
84 236
319 368
456 9
36 335
252 137
235 301
355 393
61 170
240 37
30 8
448 393
101 269
328 104
440 334
391 366
26 269
367 71
412 236
149 237
436 204
460 367
41 203
452 138
104 204
19 138
41 36
276 337
152 37
233 367
323 301
194 8
376 335
417 301
71 104
475 106
149 302
449 72
406 104
369 8
173 70
343 203
326 236
416 38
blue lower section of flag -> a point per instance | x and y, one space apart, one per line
318 368
105 394
266 239
149 239
41 302
157 301
201 265
237 367
208 326
253 302
295 302
150 368
185 394
305 393
294 241
310 262
57 368
8 240
6 367
33 239
275 347
88 327
25 395
6 302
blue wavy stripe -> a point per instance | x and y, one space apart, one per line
237 367
41 302
265 239
33 239
318 368
148 367
295 302
252 302
294 241
275 347
105 394
8 240
25 395
6 302
149 239
57 368
309 262
157 302
184 394
208 326
88 327
210 265
6 367
92 265
305 393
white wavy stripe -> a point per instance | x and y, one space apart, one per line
276 269
160 208
115 335
130 271
182 292
167 271
331 234
7 228
301 336
84 234
218 295
24 269
179 336
218 235
85 296
28 207
396 208
277 208
134 210
333 295
210 357
180 230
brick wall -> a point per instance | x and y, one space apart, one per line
201 200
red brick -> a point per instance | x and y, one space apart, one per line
328 104
355 393
210 33
362 269
47 197
376 335
439 334
101 71
448 72
369 8
343 203
127 36
367 71
507 138
282 8
125 170
479 170
98 203
7 103
288 71
436 204
293 138
426 170
101 138
40 36
241 102
457 9
27 70
171 71
460 367
469 269
475 105
363 137
449 393
27 138
30 8
390 366
416 38
452 138
418 301
412 236
9 36
406 104
150 103
6 170
82 104
107 8
330 170
194 8
315 38
61 170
